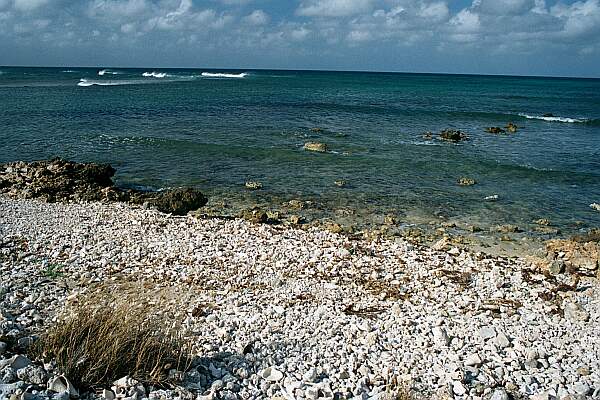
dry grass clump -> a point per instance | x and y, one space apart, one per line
94 346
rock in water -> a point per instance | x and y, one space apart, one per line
467 181
512 128
178 201
253 185
315 146
495 130
452 135
595 206
56 180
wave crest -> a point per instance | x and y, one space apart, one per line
86 83
155 74
223 75
552 118
103 72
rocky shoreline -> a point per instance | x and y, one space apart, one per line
273 311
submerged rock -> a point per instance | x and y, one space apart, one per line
512 128
466 181
495 130
253 185
452 135
316 147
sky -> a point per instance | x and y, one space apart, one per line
514 37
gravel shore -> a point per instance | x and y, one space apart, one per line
292 314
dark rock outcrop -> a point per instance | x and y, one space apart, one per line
178 201
452 135
59 180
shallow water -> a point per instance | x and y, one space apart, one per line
217 129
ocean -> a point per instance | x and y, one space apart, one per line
217 129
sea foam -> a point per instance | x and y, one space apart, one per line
86 83
223 75
107 72
555 119
155 74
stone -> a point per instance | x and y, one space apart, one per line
255 215
473 360
581 388
574 312
595 206
501 340
440 337
340 183
3 347
458 388
495 130
512 128
452 135
316 147
17 362
178 201
61 384
493 197
108 394
487 332
500 394
272 374
466 181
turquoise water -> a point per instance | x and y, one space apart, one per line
217 131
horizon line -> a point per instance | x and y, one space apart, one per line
312 70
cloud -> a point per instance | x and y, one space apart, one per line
29 5
257 17
334 8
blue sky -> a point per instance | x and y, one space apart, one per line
527 37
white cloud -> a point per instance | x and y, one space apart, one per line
505 7
334 8
29 5
466 21
257 17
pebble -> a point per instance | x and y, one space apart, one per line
305 314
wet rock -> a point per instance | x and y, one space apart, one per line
56 180
595 206
452 135
512 128
493 197
580 254
295 219
340 183
466 181
333 227
255 215
547 230
495 130
178 201
316 147
508 229
543 222
253 185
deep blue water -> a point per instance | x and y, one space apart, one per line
216 132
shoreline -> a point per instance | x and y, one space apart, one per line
325 314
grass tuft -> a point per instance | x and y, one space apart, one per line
94 346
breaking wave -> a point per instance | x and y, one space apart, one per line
86 83
155 74
552 118
223 75
107 72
